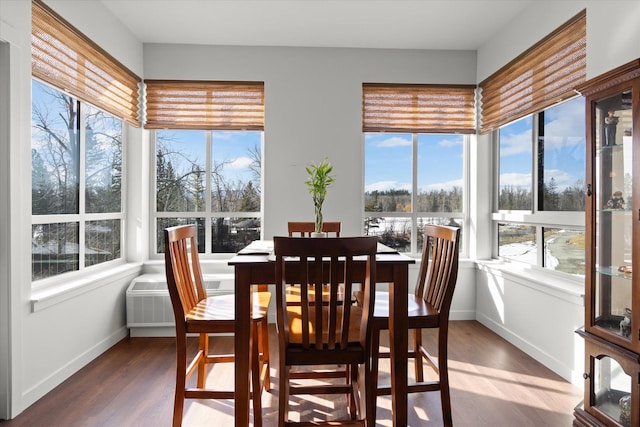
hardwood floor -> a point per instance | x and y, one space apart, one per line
492 384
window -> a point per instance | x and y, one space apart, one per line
76 166
212 179
540 203
76 147
208 145
530 106
415 149
403 171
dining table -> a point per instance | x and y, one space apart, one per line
255 265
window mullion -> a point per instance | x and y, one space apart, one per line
414 193
153 193
537 173
534 163
81 185
208 223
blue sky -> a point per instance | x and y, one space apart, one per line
564 147
229 147
388 162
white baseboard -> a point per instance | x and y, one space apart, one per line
535 352
34 393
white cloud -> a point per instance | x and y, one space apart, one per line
240 163
454 142
515 179
515 143
446 185
564 125
394 142
562 178
387 185
226 135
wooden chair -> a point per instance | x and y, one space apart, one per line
317 333
428 308
195 313
304 229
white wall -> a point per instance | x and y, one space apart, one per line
612 33
5 260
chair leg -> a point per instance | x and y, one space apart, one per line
256 386
283 397
353 406
417 344
264 350
371 377
202 364
443 369
181 374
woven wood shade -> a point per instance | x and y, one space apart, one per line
65 58
204 105
418 108
545 74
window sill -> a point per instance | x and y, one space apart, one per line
566 287
68 289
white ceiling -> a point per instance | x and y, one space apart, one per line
393 24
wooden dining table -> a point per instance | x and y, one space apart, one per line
255 265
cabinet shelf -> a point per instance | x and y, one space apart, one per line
618 211
612 271
610 148
611 324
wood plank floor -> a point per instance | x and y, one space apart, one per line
492 384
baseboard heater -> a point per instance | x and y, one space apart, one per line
149 311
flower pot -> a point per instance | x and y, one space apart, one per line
319 235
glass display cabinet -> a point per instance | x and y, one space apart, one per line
612 291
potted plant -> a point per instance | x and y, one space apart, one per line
320 179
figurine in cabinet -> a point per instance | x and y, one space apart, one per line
610 127
625 323
616 201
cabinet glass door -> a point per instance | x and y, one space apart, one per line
613 240
612 390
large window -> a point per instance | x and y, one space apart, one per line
212 179
76 161
208 145
415 139
412 180
541 187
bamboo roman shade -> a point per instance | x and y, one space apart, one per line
65 58
545 74
418 108
181 104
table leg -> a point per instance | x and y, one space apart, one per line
242 345
399 339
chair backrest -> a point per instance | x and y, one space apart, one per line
182 266
334 262
304 229
439 267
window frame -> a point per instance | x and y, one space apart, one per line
83 217
207 214
539 219
414 215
